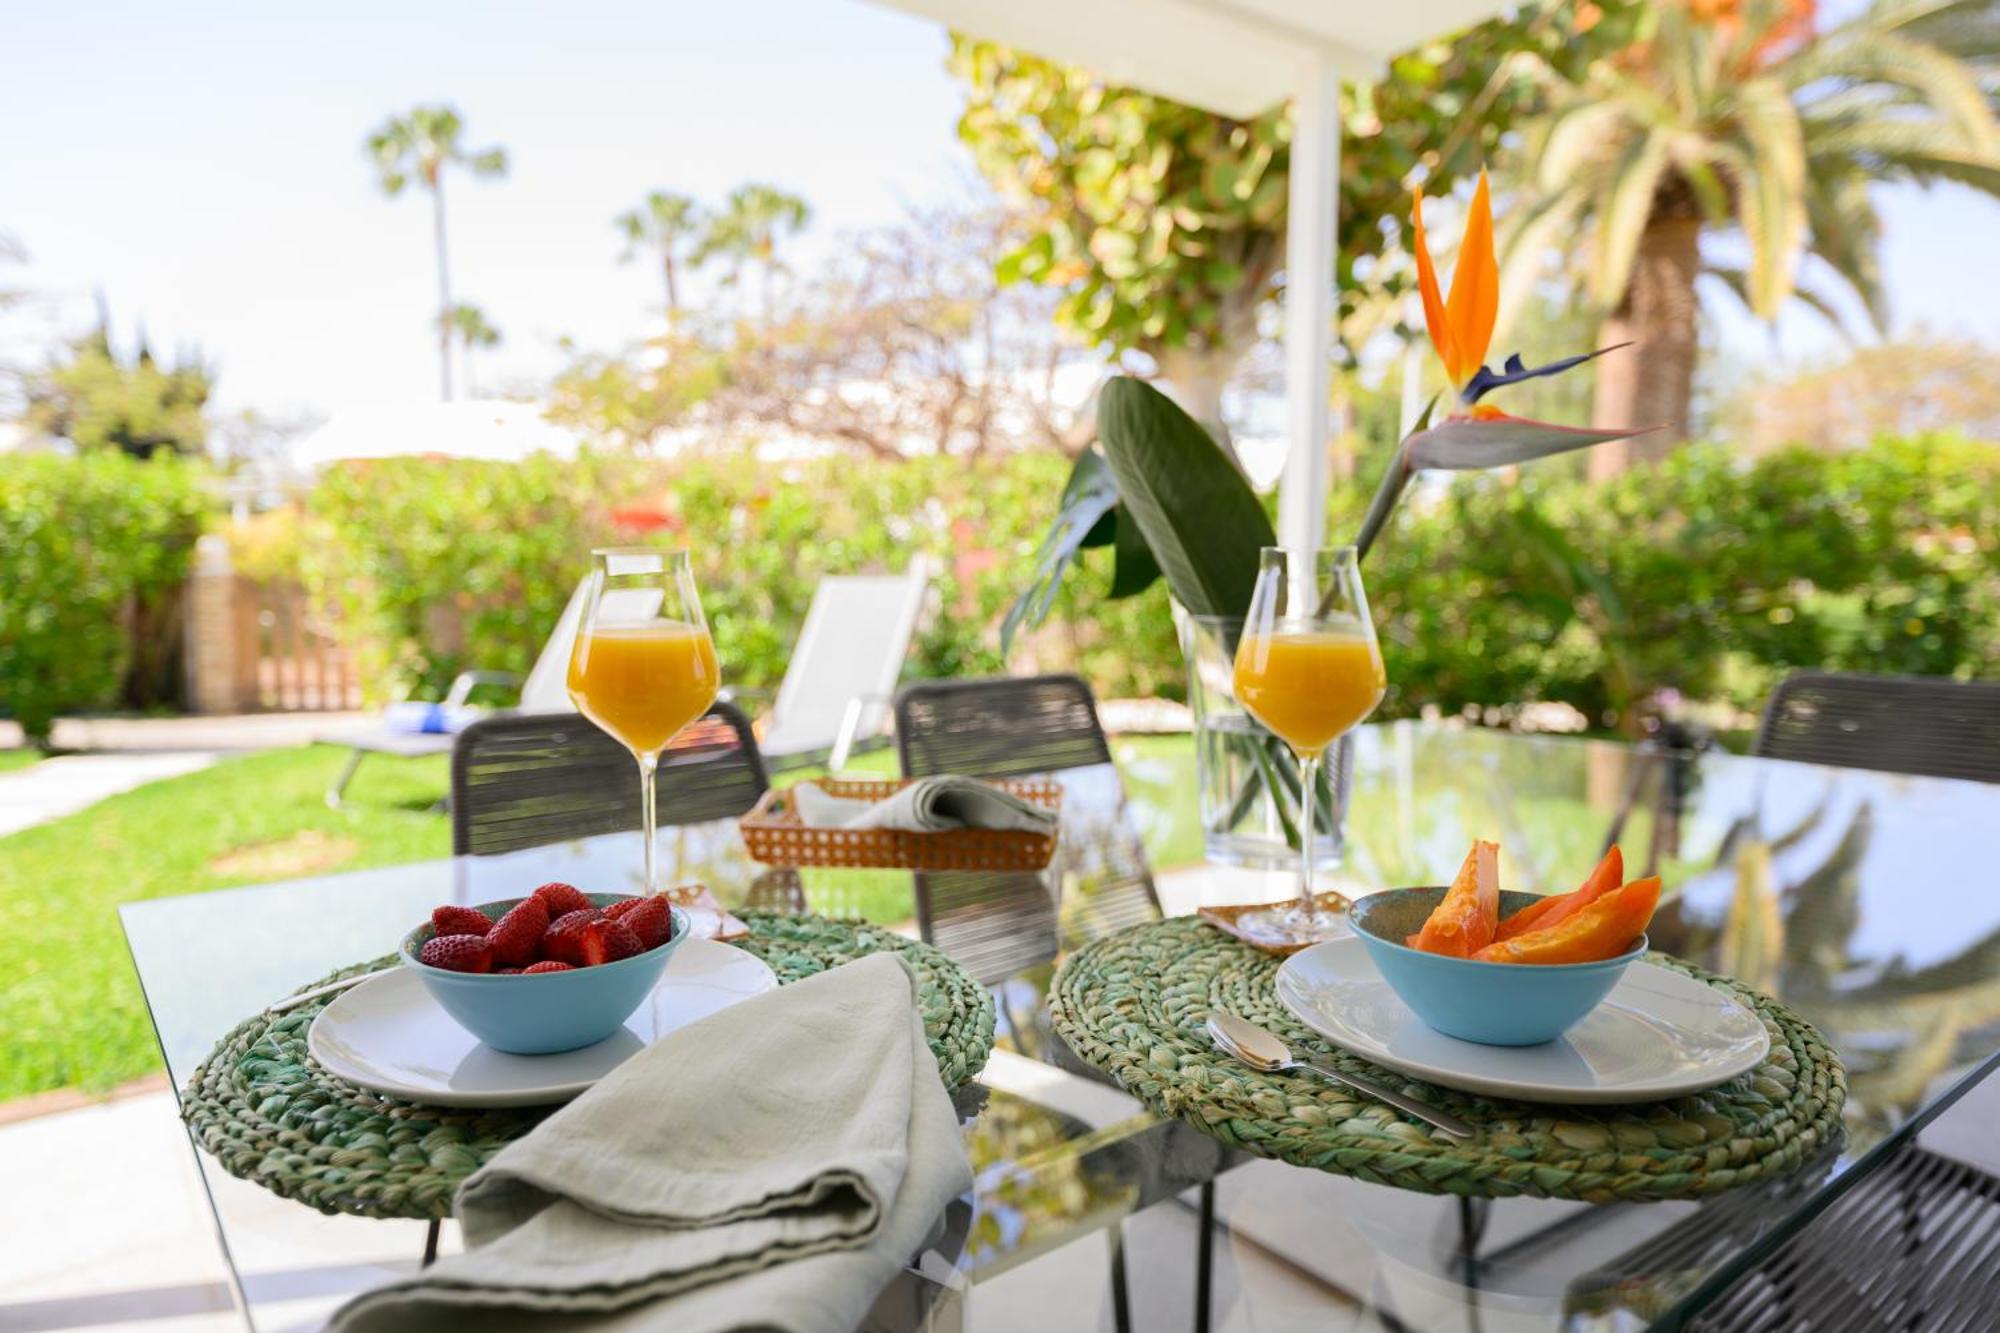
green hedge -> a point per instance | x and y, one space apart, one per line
498 547
83 542
1708 575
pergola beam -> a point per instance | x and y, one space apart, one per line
1311 222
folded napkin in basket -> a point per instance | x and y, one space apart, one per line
771 1167
927 805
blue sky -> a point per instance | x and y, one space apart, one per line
201 164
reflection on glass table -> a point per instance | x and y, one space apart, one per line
1863 900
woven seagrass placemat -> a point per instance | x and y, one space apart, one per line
270 1115
1135 1004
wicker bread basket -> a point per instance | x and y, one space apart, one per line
774 834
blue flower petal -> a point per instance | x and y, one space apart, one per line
1485 381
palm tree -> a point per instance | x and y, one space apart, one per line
1738 114
468 324
419 146
746 232
661 225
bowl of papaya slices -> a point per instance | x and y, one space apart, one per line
1503 968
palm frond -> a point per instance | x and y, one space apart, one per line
1944 85
1622 218
1577 136
1969 29
1533 230
1847 234
1770 197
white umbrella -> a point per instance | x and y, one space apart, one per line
1236 58
500 431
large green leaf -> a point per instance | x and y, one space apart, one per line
1197 513
1135 569
1084 517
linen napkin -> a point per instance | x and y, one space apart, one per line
771 1167
927 805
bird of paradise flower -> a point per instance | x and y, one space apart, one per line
1478 434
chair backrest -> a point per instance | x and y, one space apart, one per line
1899 724
852 646
529 779
996 925
1008 727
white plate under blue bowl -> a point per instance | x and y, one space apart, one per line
1658 1034
389 1035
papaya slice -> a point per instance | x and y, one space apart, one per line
1604 929
1610 873
1463 922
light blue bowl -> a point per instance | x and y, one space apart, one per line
1494 1004
552 1011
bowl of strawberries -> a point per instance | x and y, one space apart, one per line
554 971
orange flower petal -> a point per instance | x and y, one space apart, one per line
1427 284
1475 290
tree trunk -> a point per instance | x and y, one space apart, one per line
1195 378
673 282
444 291
1651 382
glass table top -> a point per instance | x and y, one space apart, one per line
1866 901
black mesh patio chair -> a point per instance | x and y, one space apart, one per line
526 780
997 925
1900 724
1911 1247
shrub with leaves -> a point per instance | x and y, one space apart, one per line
83 541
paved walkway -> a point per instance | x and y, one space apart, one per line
68 783
236 731
116 754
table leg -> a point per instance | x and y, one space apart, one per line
1204 1264
1121 1303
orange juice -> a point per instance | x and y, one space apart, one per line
1309 685
643 683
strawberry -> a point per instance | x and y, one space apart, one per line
453 919
456 953
517 939
614 939
506 971
651 920
560 898
550 966
563 940
587 940
622 906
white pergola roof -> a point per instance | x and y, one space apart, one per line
1237 58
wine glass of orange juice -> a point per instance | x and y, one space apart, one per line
644 665
1308 668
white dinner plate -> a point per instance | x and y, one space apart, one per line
1658 1034
388 1035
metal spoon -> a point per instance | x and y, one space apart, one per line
1266 1052
345 983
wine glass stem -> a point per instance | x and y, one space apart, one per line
1308 801
647 764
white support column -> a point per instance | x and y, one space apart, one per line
1310 246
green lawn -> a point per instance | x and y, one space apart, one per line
13 759
70 1010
